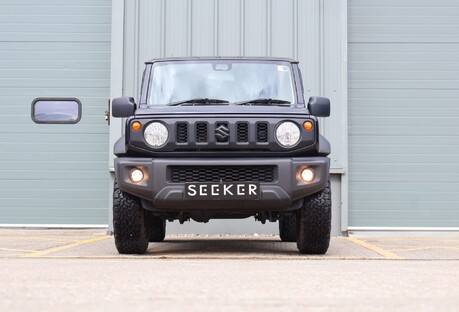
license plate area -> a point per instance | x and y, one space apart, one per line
222 191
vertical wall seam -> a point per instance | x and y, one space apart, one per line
137 48
269 30
189 48
321 47
242 30
216 10
295 29
163 28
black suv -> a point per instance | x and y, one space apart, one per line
219 138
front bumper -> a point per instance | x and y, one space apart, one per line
284 192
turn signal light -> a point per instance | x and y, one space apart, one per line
307 125
135 126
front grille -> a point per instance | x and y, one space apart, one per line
221 132
242 132
262 132
201 132
182 132
182 174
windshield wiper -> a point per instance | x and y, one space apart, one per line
264 102
199 101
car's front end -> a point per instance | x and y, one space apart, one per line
218 138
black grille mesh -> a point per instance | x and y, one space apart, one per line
201 132
182 174
182 133
262 132
242 132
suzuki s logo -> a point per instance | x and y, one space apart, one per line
222 133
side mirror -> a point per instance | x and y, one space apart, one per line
123 107
319 106
56 110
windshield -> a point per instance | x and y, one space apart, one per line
231 81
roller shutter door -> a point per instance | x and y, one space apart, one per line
54 174
403 113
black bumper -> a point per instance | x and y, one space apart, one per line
284 192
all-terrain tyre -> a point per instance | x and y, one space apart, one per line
287 228
156 228
314 223
129 223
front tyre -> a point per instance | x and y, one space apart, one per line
314 223
129 223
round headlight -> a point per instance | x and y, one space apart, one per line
156 134
288 134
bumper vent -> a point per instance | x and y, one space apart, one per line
182 174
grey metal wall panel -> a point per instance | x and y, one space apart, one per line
54 174
404 113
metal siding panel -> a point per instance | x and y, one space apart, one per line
331 126
176 28
150 30
229 27
52 174
309 46
203 27
256 28
131 62
282 28
403 114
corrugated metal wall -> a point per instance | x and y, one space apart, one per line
309 31
404 113
53 174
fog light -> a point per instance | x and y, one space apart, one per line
136 175
307 175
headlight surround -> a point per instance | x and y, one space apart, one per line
288 134
156 134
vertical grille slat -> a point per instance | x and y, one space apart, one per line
242 132
262 132
201 132
182 132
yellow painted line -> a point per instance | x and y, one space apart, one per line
387 254
426 248
46 252
20 250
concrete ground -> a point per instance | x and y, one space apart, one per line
71 270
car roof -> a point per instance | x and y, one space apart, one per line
223 58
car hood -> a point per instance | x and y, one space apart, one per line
222 110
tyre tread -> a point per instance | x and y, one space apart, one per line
128 223
314 220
